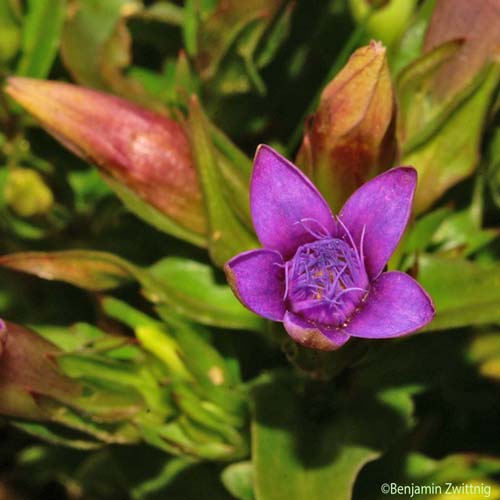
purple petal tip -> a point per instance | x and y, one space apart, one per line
281 196
380 209
395 306
256 278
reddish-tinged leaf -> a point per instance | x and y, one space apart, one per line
27 370
478 23
95 271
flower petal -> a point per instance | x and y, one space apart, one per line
382 206
396 305
313 336
287 209
257 279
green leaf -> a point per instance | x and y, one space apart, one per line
233 40
238 479
274 37
151 215
95 271
167 474
46 433
452 153
460 234
316 443
109 430
96 47
200 356
86 32
421 234
227 234
117 380
493 172
161 345
88 188
92 367
70 339
416 108
457 234
387 19
464 293
485 351
40 40
164 12
188 288
190 27
410 44
10 33
175 285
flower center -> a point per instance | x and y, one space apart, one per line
325 281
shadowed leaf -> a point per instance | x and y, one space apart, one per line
319 441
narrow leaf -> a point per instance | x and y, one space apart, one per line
95 271
41 33
227 235
465 293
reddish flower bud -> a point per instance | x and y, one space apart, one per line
144 151
26 370
351 137
477 23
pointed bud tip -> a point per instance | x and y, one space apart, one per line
351 137
194 101
377 46
18 85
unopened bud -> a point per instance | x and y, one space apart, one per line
26 193
27 370
144 151
351 138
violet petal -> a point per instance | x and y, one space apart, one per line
312 336
257 279
287 209
396 305
382 206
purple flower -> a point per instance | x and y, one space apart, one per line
321 275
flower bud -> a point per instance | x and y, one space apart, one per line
26 193
477 23
26 371
351 137
135 148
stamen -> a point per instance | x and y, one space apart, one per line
362 244
326 280
310 231
352 289
359 253
287 264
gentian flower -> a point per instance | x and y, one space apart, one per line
322 276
